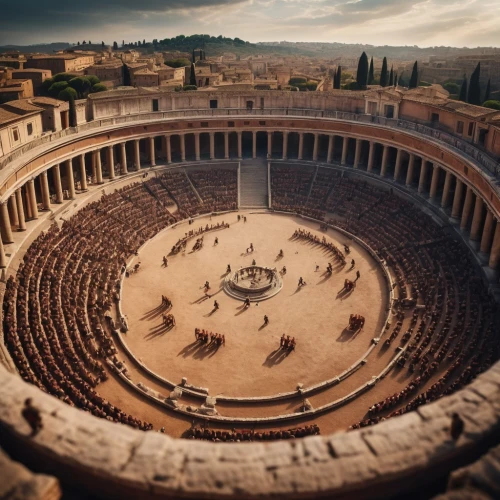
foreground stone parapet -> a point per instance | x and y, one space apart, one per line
116 461
19 483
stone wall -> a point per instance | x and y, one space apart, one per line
116 461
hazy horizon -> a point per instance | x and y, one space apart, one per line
426 23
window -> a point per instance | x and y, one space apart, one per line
466 170
249 105
261 103
389 111
230 124
435 118
470 131
204 124
372 108
460 127
155 104
213 103
246 123
190 125
262 123
30 128
15 134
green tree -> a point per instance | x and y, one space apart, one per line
371 75
98 87
487 91
66 94
177 63
463 90
190 87
93 79
391 77
362 74
82 86
492 104
192 75
395 78
338 77
63 77
297 80
383 75
474 95
115 46
452 88
414 77
56 88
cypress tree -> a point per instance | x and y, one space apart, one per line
391 77
338 76
383 74
474 95
192 76
396 79
488 91
371 75
192 59
72 111
463 90
362 74
414 77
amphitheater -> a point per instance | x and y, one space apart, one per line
314 207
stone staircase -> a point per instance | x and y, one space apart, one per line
253 184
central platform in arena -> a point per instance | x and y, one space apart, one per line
254 283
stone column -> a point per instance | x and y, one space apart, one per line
226 145
32 197
56 171
83 173
445 199
457 199
182 140
27 203
495 248
477 220
423 174
212 145
434 182
123 155
469 198
383 167
110 158
285 145
357 153
345 145
397 169
98 167
44 184
411 167
240 145
3 260
315 147
329 155
270 144
168 146
152 158
301 145
254 145
70 178
5 227
487 232
137 155
14 218
197 146
20 210
371 155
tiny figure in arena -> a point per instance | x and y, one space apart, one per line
247 303
283 270
301 282
228 268
281 254
165 301
317 268
266 320
244 219
353 263
358 275
346 248
168 320
206 286
165 261
239 218
216 305
329 268
216 241
254 262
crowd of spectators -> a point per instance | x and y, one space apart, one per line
205 434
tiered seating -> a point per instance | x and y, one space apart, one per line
217 188
54 308
180 189
290 189
251 435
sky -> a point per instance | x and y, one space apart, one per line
425 23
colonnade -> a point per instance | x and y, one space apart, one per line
431 180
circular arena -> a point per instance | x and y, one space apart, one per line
189 291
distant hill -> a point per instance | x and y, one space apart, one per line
46 48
